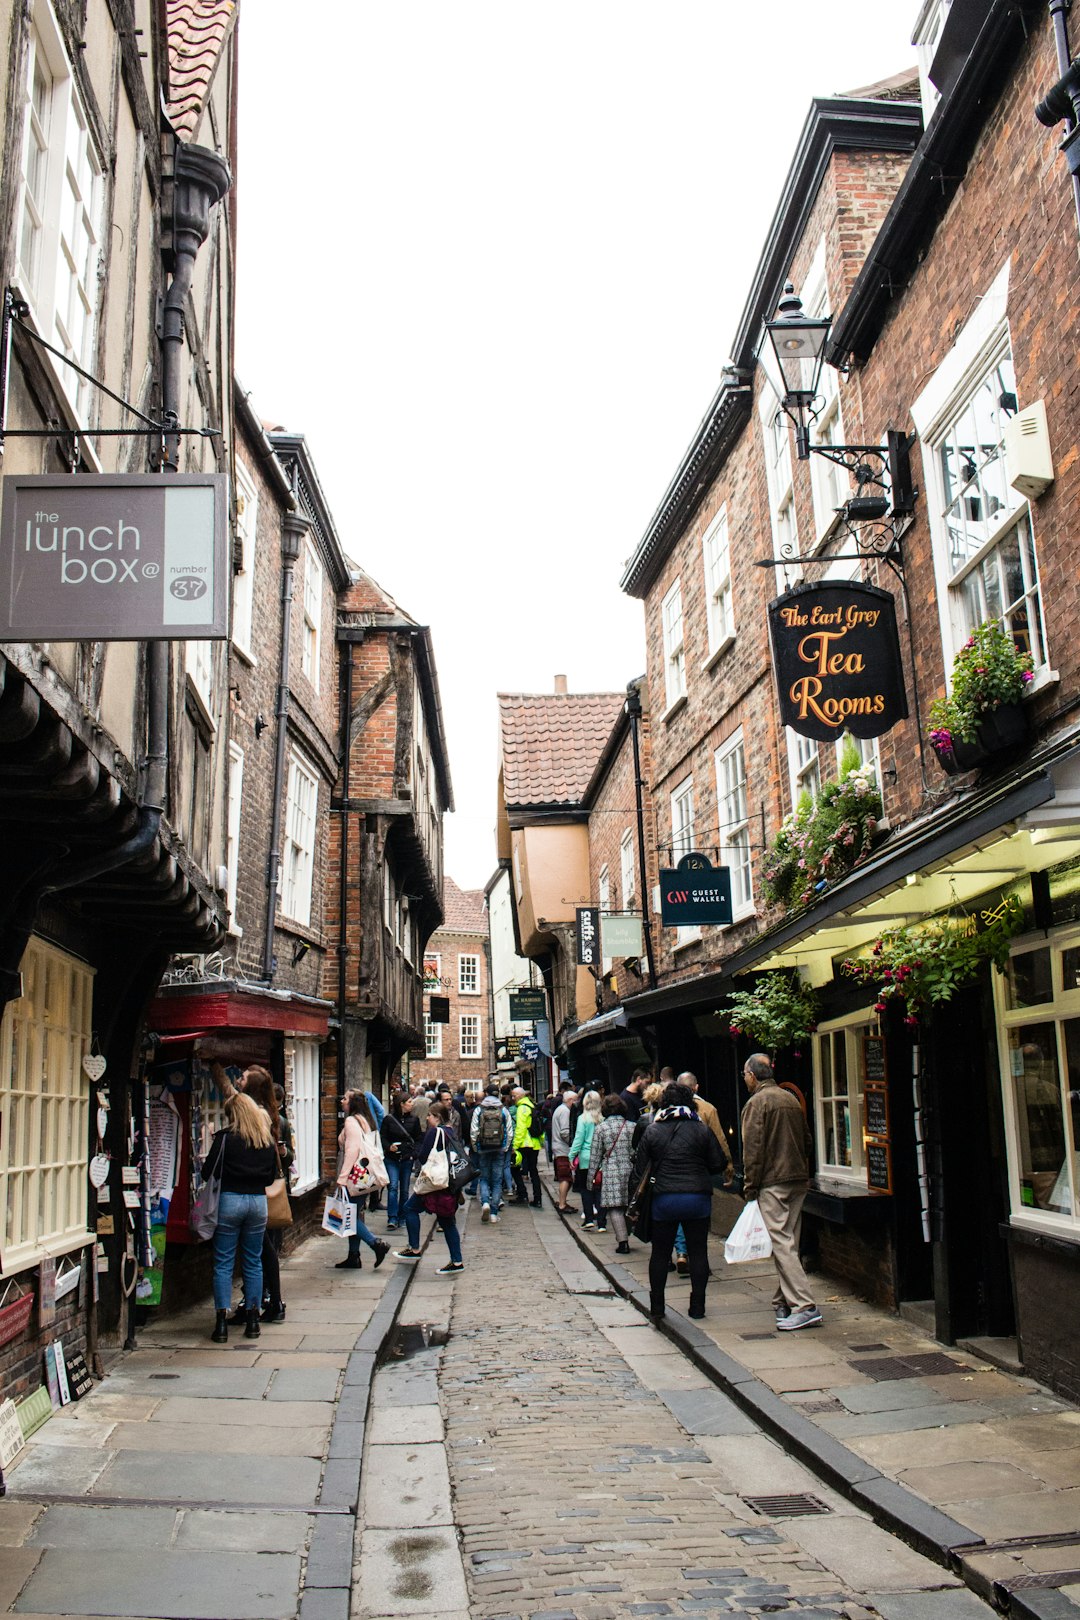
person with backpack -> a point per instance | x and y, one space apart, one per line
528 1140
491 1133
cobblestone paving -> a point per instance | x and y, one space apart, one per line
577 1494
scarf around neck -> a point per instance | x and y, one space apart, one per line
675 1113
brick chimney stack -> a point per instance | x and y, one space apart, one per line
560 686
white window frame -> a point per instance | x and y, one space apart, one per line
311 630
45 1106
301 817
304 1116
65 208
682 843
733 820
243 580
804 766
925 37
232 833
199 662
470 1032
627 867
432 1038
468 977
603 884
983 342
851 1029
1063 1007
719 594
671 618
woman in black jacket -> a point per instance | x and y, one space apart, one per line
682 1156
248 1161
400 1133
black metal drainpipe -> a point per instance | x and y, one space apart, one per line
1058 10
343 876
293 528
633 709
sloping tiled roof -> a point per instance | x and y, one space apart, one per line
463 909
550 743
197 31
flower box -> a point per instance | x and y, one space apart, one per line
1004 727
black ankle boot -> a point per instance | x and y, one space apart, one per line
697 1305
274 1312
251 1331
220 1334
351 1262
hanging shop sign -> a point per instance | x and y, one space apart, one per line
525 1005
507 1048
530 1049
588 936
695 892
439 1010
836 652
139 557
621 936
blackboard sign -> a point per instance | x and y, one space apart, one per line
878 1167
837 657
875 1072
79 1380
877 1112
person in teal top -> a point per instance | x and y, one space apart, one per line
580 1150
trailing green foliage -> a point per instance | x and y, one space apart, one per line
923 963
989 670
826 836
778 1012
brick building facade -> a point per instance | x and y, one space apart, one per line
457 966
946 1169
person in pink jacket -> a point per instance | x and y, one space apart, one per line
361 1150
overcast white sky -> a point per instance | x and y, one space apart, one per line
491 260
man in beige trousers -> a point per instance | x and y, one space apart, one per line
776 1168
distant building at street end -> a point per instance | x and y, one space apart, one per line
457 971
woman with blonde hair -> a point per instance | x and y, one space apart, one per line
580 1153
361 1160
247 1159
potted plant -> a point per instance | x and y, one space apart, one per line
826 836
919 964
982 714
779 1011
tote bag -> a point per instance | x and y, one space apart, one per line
278 1208
204 1211
435 1171
339 1214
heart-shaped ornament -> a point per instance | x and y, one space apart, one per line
99 1169
102 1121
93 1065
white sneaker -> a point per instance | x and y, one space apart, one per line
485 1214
494 1220
590 1226
810 1317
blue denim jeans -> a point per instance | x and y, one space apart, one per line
491 1177
680 1242
361 1235
241 1221
508 1172
400 1173
412 1211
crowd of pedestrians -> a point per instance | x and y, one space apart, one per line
644 1162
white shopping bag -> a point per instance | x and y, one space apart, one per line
748 1239
339 1214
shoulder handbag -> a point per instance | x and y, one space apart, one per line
639 1209
204 1211
278 1208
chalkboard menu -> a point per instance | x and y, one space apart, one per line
877 1111
875 1072
79 1379
878 1167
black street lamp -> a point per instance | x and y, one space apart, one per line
798 344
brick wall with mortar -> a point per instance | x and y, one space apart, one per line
452 1067
21 1363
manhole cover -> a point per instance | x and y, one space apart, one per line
786 1507
931 1365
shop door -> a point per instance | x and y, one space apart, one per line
972 1284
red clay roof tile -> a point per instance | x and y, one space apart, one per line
550 743
197 31
464 909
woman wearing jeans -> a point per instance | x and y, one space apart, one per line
360 1146
443 1205
682 1156
248 1159
400 1133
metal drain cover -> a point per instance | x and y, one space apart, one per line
795 1506
932 1364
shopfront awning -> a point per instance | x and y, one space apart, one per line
603 1024
1026 823
227 1004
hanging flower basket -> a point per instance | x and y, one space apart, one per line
780 1011
920 964
1004 727
983 714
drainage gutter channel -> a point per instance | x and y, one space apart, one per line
328 1576
942 1539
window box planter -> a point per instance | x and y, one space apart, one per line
1003 728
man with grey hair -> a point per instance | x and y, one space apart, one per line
708 1116
776 1168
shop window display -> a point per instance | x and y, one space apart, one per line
1039 1020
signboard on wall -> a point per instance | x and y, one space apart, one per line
439 1010
695 892
110 557
836 652
588 936
527 1005
621 936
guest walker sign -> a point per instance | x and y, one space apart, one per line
141 557
837 657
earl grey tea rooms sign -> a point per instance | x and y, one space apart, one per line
88 557
836 652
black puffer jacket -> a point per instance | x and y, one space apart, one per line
683 1153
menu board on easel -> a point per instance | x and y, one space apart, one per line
875 1076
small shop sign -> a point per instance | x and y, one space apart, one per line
110 557
527 1005
695 892
836 652
14 1316
621 936
588 936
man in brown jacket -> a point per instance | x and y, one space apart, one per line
776 1168
708 1116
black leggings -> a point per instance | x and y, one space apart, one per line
697 1252
271 1268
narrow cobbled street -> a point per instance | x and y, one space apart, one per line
593 1472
